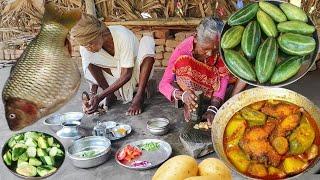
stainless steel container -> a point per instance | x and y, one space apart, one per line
246 98
158 126
87 144
55 122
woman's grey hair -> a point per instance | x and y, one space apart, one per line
208 29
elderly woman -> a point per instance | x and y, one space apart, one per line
114 60
196 65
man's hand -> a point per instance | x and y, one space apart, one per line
94 103
189 98
208 116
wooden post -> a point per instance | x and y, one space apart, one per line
90 7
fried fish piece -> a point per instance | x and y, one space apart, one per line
280 110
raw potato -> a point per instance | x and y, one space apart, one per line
215 177
177 168
214 167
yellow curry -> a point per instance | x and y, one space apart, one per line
272 139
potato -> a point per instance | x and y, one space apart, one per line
276 172
293 165
235 130
257 105
312 152
215 177
214 167
280 144
238 158
258 170
177 168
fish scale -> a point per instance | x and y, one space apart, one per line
45 77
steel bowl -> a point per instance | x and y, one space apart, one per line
102 144
12 169
245 98
307 64
55 122
158 126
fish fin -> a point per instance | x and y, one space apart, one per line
67 18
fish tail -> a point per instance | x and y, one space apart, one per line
67 18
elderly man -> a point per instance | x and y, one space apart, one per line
114 60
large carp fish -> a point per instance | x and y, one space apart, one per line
44 77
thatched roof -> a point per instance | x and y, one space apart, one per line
21 17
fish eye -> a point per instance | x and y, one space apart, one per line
12 116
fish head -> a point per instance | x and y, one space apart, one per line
20 113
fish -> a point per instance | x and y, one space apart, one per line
45 77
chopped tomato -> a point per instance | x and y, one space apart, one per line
128 153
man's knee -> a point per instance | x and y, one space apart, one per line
148 60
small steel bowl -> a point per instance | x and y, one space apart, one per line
109 125
118 134
55 122
158 126
86 144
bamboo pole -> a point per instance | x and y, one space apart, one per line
159 22
90 7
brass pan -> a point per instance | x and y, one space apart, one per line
248 97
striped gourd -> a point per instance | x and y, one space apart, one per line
251 39
274 11
266 59
232 37
296 44
293 12
244 15
286 69
267 24
298 27
239 65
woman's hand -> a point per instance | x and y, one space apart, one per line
94 103
189 98
208 116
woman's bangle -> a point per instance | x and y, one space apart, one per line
183 95
211 110
213 107
174 94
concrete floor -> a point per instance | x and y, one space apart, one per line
158 106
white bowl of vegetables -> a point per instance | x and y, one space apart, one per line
33 155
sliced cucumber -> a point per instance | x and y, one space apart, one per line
53 151
32 151
45 170
42 143
50 141
24 157
27 170
32 135
31 142
21 163
49 160
12 142
17 152
7 158
34 162
41 152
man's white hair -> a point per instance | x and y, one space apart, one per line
208 29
